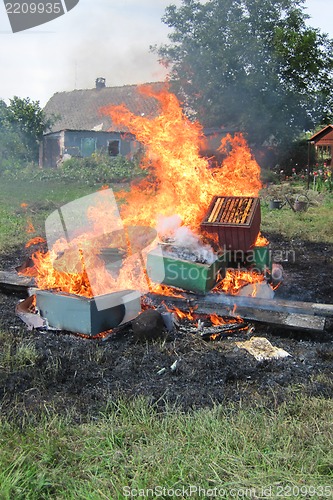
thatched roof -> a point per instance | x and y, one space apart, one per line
80 109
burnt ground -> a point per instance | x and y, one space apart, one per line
78 375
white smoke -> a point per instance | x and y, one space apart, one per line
167 226
183 242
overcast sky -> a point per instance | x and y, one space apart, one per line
104 38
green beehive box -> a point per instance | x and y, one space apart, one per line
262 258
179 273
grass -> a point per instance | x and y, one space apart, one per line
15 358
315 224
133 445
40 198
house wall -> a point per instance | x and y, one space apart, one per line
50 150
83 144
324 147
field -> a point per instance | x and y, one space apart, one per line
94 419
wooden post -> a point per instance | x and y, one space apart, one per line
309 157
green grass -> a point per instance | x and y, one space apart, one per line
315 224
15 357
134 445
42 197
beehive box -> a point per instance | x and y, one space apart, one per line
79 314
262 258
235 221
184 274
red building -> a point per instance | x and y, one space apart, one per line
323 142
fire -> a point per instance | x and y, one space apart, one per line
180 182
182 315
165 290
235 279
35 241
81 271
261 241
184 183
79 267
30 227
216 320
190 315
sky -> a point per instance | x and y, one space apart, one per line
97 38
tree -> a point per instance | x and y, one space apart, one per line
26 119
12 149
250 64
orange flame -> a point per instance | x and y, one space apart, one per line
35 241
261 241
216 320
184 184
165 290
235 279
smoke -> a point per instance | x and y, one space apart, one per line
167 226
183 242
113 42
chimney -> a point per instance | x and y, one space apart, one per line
100 83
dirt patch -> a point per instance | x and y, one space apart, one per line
67 372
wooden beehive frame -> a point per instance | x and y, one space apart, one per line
231 210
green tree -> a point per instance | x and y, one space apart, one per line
12 150
3 110
251 64
25 119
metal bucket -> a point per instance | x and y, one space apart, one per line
301 205
275 204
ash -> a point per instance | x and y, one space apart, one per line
203 255
182 243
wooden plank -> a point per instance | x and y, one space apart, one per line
278 305
218 300
12 282
276 318
281 313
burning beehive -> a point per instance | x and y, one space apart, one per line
88 316
235 220
179 270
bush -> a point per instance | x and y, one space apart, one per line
269 176
100 168
96 169
322 179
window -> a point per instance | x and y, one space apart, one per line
88 146
113 148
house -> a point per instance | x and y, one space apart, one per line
323 141
81 129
